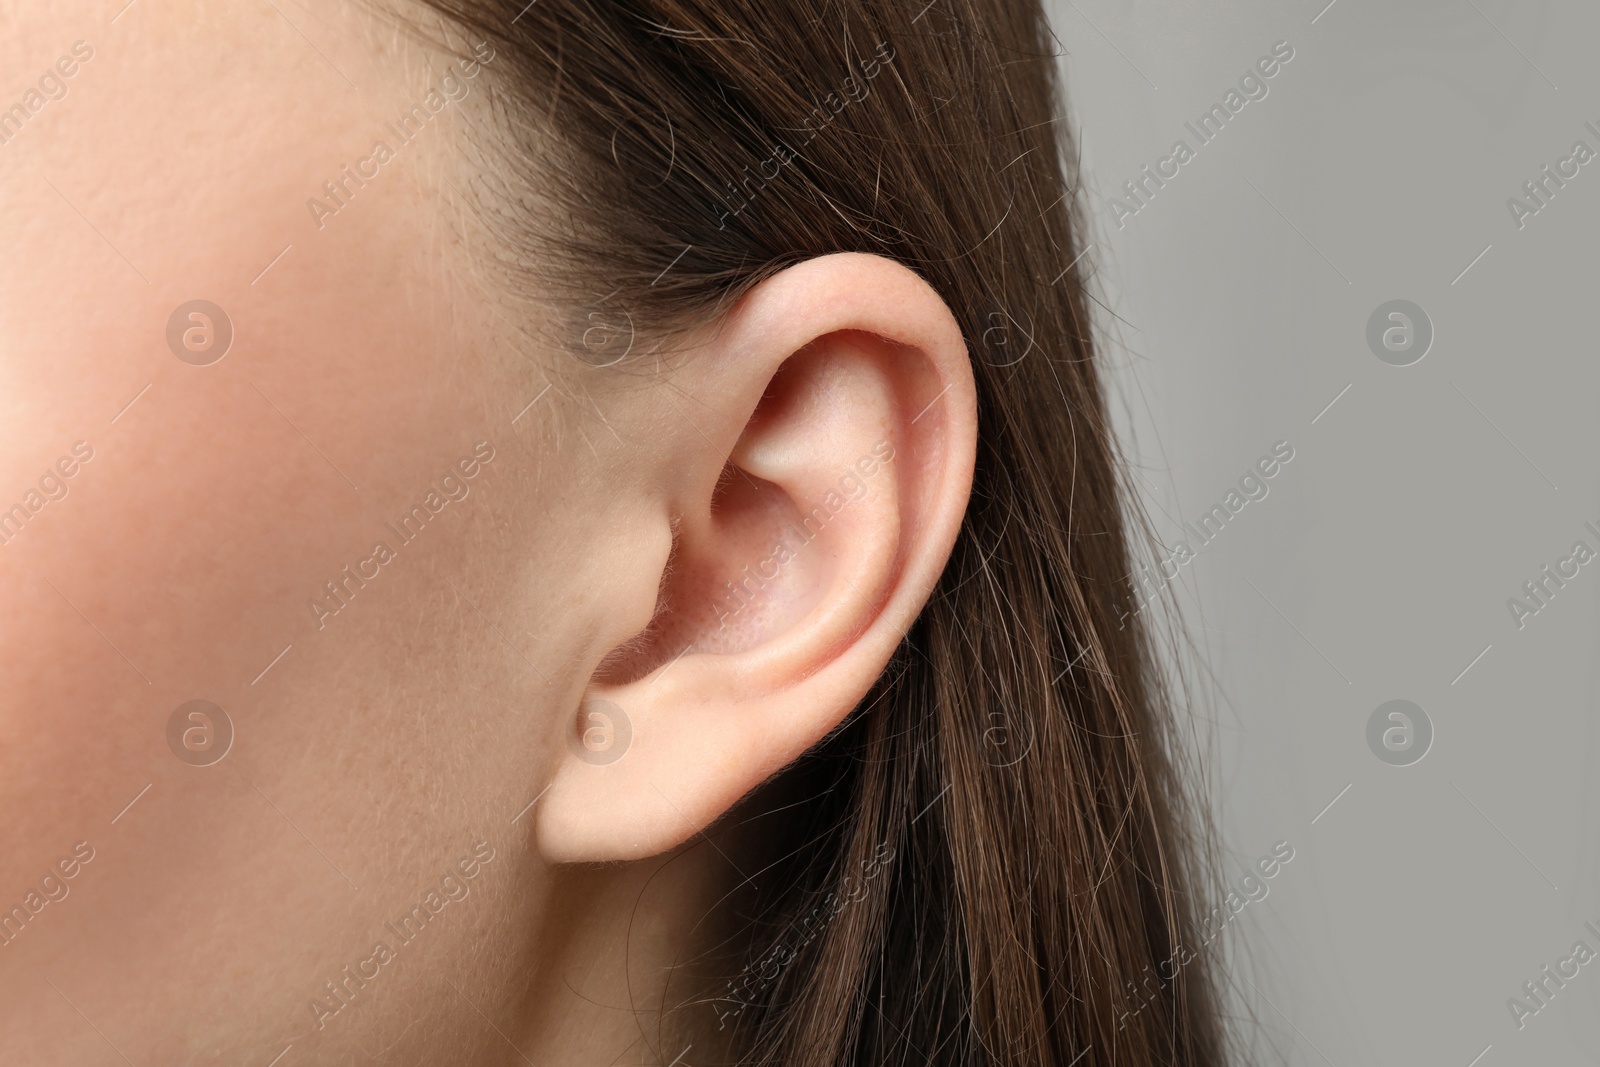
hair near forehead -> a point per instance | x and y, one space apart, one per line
1013 780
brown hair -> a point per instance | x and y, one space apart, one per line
993 861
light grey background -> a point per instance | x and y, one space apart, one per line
1379 566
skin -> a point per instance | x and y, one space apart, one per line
438 717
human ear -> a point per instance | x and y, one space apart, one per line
783 597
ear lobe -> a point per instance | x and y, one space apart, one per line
800 558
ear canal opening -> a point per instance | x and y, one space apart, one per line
700 605
640 654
